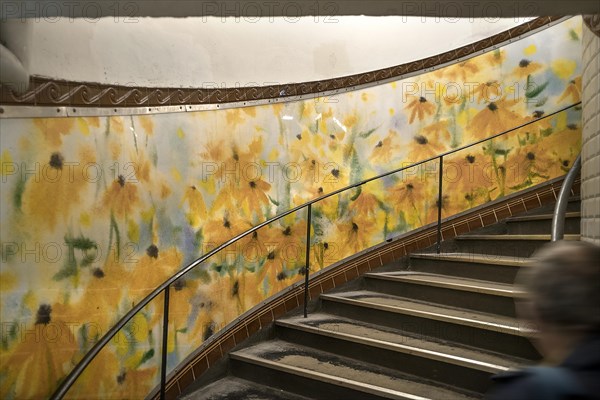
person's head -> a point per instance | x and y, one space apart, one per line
563 292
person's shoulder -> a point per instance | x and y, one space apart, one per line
513 384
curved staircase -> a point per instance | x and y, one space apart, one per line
435 326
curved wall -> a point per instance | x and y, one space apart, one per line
98 211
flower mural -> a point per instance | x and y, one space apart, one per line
97 212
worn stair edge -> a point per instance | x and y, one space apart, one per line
434 355
467 285
348 383
508 261
538 217
515 237
248 356
512 329
230 386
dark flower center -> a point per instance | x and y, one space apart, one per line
354 227
121 180
208 332
468 197
379 144
538 113
179 284
98 273
331 136
299 136
421 139
287 231
422 99
325 245
252 184
193 187
226 223
335 172
235 289
313 162
56 160
43 314
320 190
236 157
565 163
524 63
271 255
410 186
530 156
152 251
121 377
470 158
492 106
254 235
572 127
281 276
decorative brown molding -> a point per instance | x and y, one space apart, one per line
48 92
592 21
219 345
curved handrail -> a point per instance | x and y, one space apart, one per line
65 385
558 218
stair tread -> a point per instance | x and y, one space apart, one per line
537 217
397 340
343 371
476 258
450 282
402 305
514 237
235 388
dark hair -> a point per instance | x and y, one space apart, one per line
564 284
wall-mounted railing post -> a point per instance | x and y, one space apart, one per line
438 246
165 336
307 261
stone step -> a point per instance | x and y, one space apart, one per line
323 375
496 333
472 294
230 387
444 362
492 268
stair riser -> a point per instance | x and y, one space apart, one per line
517 249
486 272
544 226
455 298
303 386
499 342
458 376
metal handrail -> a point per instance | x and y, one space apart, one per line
560 210
61 391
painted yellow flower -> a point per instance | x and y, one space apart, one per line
252 196
438 131
526 67
385 149
41 359
488 91
151 269
462 71
572 92
354 235
421 148
121 197
54 128
408 197
219 230
494 58
52 195
366 204
495 118
196 209
420 108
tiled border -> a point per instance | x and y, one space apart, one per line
349 269
48 92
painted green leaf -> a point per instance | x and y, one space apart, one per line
273 201
81 243
573 35
358 192
368 133
536 90
147 356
